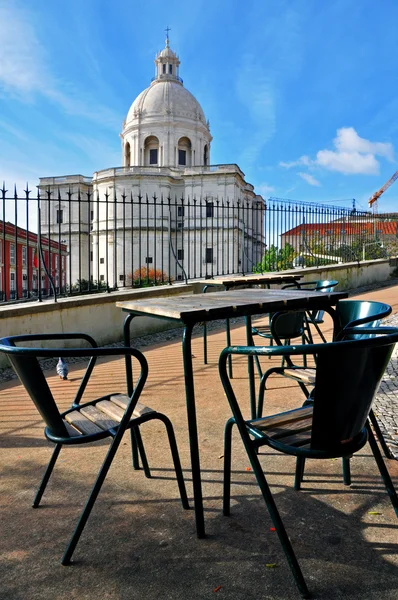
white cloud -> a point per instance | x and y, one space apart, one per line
21 64
255 90
347 140
264 189
303 160
348 163
352 155
24 72
309 179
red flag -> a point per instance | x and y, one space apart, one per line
35 259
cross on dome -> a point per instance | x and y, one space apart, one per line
167 35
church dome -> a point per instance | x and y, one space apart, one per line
166 97
166 126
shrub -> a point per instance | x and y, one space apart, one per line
145 277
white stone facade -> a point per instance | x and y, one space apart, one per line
166 144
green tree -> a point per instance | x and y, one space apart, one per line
276 259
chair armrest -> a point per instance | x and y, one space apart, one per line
51 336
309 348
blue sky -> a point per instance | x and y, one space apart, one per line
301 94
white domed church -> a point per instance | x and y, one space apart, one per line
166 207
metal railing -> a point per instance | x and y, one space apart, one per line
66 240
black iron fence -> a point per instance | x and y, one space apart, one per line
71 240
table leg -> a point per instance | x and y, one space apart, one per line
250 369
193 430
129 384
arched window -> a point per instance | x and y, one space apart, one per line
184 152
205 155
127 155
171 69
164 68
151 151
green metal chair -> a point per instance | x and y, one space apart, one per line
350 314
335 424
110 415
314 317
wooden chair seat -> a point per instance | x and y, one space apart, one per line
292 428
101 416
305 375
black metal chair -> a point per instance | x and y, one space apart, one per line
335 424
110 415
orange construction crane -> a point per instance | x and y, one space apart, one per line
377 194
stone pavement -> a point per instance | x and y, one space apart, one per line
386 401
140 545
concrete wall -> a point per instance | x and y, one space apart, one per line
98 315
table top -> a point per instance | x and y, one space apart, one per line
195 308
251 279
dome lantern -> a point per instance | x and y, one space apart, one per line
167 64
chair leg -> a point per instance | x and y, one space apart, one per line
205 343
380 437
300 464
141 449
383 469
90 502
278 523
176 459
228 332
346 470
134 451
227 467
47 475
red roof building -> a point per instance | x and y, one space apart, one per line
21 271
339 233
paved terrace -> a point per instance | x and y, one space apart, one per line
140 544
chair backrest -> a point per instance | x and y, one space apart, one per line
360 313
348 374
31 376
325 285
287 325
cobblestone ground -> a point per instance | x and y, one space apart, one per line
386 402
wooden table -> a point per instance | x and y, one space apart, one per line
192 309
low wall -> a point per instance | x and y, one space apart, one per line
98 314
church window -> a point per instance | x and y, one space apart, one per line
171 69
182 157
91 215
60 216
102 277
180 254
205 156
121 277
148 260
91 255
102 261
209 209
180 211
153 156
164 68
184 151
209 255
127 154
